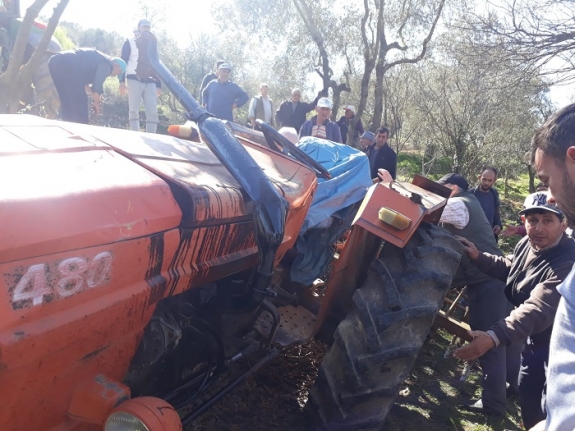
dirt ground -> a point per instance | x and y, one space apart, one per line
274 398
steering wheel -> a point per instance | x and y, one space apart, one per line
273 137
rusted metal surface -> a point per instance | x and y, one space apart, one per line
296 325
407 199
98 225
95 397
349 272
71 321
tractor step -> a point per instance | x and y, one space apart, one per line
296 325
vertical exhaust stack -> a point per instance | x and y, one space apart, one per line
270 208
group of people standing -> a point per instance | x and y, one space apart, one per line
512 299
82 72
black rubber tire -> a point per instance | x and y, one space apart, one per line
376 344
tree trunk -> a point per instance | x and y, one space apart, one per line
379 94
17 78
531 173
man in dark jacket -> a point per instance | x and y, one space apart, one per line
488 197
540 262
292 113
73 72
381 155
320 126
344 123
222 96
464 217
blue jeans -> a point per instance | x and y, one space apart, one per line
487 306
534 361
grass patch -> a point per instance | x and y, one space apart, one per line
435 390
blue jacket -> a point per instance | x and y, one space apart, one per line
331 130
219 98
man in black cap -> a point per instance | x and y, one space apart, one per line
463 216
540 262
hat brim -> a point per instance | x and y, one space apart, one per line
539 208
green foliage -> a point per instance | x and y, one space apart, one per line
411 163
61 36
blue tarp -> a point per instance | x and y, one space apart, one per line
332 209
350 180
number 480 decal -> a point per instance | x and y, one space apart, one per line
72 275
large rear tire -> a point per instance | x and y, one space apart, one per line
376 344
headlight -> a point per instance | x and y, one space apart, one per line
122 421
143 414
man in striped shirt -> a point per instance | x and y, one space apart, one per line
320 126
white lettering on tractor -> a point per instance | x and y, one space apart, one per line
32 285
72 275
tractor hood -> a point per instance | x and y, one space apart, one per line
66 186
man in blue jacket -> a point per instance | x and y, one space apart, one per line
221 96
320 126
381 155
488 197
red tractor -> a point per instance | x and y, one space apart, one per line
136 268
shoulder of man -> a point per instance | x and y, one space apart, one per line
495 193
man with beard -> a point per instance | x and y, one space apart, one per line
553 152
488 197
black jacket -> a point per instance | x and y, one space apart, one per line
496 201
531 280
385 159
286 116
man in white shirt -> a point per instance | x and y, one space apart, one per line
262 107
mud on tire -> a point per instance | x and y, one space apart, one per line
376 344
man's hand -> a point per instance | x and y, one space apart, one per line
510 231
482 342
158 91
539 427
496 229
469 247
96 103
123 89
384 175
375 181
234 106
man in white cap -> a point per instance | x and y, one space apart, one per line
222 96
320 126
345 121
140 80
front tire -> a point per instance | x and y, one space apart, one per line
376 344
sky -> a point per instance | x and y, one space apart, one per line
182 18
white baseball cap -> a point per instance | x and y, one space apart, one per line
324 102
350 107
